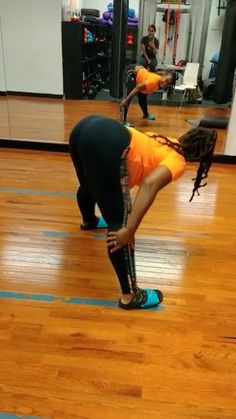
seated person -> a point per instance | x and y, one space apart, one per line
149 49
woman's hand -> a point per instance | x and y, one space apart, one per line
120 238
152 44
123 104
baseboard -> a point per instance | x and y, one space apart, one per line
32 94
64 148
34 145
224 159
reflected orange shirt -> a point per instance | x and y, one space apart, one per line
146 154
152 80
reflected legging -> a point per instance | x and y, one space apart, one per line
98 148
129 83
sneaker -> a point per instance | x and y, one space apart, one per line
149 117
97 224
127 124
143 299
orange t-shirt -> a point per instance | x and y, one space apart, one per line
146 154
151 80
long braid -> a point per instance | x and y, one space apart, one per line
168 142
197 144
206 158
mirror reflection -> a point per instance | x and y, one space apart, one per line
4 121
58 54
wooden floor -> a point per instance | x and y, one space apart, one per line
51 120
66 350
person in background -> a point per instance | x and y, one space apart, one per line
139 81
110 159
149 48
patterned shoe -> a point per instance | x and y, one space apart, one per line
127 124
98 224
150 117
143 299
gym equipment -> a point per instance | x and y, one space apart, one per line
208 84
214 65
92 84
176 36
173 33
166 19
90 15
210 122
91 19
208 88
91 92
107 17
90 12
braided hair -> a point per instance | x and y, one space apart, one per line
171 87
173 76
198 144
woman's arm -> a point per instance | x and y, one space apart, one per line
154 182
143 50
133 92
154 48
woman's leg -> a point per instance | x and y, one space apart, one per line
129 83
123 260
103 145
144 62
85 200
142 100
152 65
102 148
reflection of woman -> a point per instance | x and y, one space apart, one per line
109 160
139 81
149 48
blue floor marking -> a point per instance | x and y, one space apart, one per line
25 296
33 192
72 300
47 233
99 235
10 416
49 298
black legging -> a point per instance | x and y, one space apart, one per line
98 148
129 83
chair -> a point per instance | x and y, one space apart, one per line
189 80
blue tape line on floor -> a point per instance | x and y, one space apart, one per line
49 298
56 233
99 235
72 300
25 296
10 416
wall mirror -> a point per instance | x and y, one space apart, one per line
192 32
4 115
45 100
